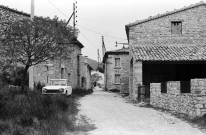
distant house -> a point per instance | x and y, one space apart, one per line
168 47
116 70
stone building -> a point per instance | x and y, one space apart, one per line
116 70
86 74
167 47
69 69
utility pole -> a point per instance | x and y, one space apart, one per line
98 56
32 10
103 47
31 69
74 18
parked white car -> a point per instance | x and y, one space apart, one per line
57 86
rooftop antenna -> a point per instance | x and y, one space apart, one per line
121 44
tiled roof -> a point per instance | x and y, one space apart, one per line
16 11
119 50
170 53
76 42
167 13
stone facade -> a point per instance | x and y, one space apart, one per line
111 70
60 69
157 31
192 104
86 74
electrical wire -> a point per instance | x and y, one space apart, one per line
85 28
58 9
88 40
100 33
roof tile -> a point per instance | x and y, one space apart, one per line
170 53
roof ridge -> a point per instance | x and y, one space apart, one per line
166 13
18 12
14 10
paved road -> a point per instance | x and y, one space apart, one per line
113 116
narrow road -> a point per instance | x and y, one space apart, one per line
113 116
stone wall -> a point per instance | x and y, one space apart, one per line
123 70
192 104
60 69
158 31
86 74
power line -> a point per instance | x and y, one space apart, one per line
82 26
58 9
101 33
88 40
85 28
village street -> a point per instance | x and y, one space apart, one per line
112 115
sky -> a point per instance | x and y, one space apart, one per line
97 18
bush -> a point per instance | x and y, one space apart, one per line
81 92
38 86
4 125
32 109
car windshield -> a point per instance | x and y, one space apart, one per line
58 82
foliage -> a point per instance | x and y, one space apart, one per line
30 42
38 86
26 113
13 77
81 92
95 77
100 69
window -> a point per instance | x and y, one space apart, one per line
117 62
163 87
117 79
176 27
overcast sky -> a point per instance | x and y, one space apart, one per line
96 18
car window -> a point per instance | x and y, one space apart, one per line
58 82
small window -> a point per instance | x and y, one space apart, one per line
117 79
163 87
176 27
117 62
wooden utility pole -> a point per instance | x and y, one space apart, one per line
103 47
31 69
32 10
98 56
74 18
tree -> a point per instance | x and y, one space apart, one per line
31 42
95 77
